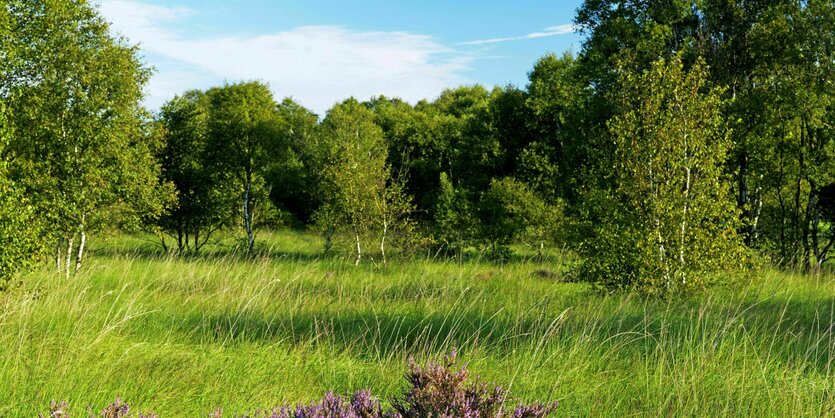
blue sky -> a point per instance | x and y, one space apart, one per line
321 52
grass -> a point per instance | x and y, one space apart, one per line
182 336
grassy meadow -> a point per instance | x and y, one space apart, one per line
181 336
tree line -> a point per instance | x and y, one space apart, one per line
684 138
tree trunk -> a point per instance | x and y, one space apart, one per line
805 235
250 240
796 224
662 254
683 230
742 192
187 238
328 239
164 244
755 233
81 244
196 239
383 242
359 250
782 201
180 237
814 221
67 261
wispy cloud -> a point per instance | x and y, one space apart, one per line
317 65
549 31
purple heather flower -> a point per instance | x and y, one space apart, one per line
116 410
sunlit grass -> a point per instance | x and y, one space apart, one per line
180 336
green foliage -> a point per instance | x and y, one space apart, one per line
551 163
244 130
355 180
20 230
774 59
206 197
18 223
292 175
79 153
670 223
510 211
454 218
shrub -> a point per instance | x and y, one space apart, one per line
441 390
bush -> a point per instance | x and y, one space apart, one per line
509 210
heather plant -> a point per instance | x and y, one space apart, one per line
117 409
442 390
360 405
56 410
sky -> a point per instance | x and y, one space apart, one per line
321 52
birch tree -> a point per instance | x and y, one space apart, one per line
353 171
74 93
671 210
244 135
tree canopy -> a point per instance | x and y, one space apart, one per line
683 138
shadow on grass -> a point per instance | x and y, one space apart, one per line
215 254
150 251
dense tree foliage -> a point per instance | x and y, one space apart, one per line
205 196
79 151
244 138
775 61
669 220
681 133
18 223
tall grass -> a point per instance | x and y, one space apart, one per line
180 336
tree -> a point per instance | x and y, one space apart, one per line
392 208
453 216
510 211
419 147
671 221
74 92
552 162
245 133
799 157
474 151
19 227
773 58
205 197
290 177
354 173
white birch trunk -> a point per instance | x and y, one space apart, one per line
383 241
755 223
359 250
68 260
250 241
81 244
686 205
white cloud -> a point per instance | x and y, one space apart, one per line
547 32
317 65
